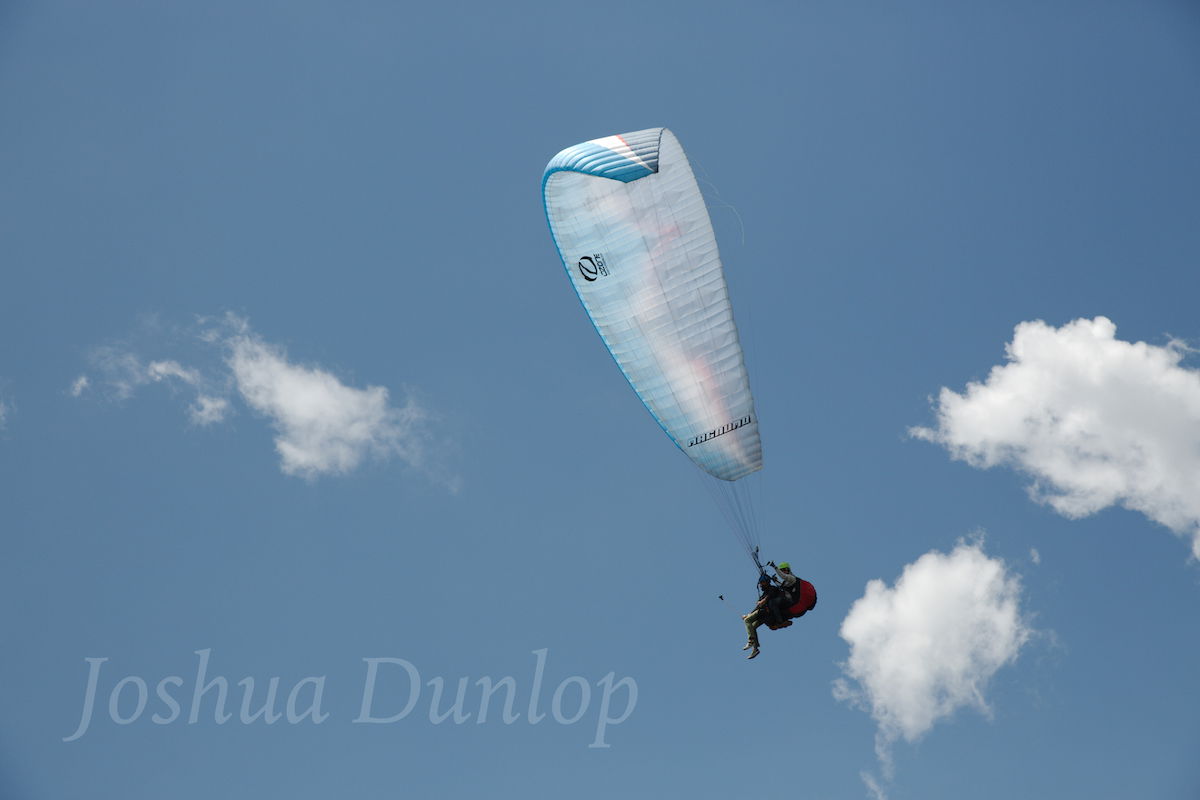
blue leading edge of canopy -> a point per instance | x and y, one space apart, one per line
624 158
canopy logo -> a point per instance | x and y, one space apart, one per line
721 431
592 267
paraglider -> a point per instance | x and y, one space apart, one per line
777 606
634 235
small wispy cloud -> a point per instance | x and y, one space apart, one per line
119 369
323 426
1095 421
875 789
928 646
120 372
5 411
208 410
167 370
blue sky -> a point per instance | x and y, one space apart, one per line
290 376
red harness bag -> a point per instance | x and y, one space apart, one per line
807 601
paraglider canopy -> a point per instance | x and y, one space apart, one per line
634 235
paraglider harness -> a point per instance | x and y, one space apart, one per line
799 602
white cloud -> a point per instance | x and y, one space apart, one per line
5 409
323 425
1096 421
928 647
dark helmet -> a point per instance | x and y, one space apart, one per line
764 580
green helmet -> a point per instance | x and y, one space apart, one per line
785 565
